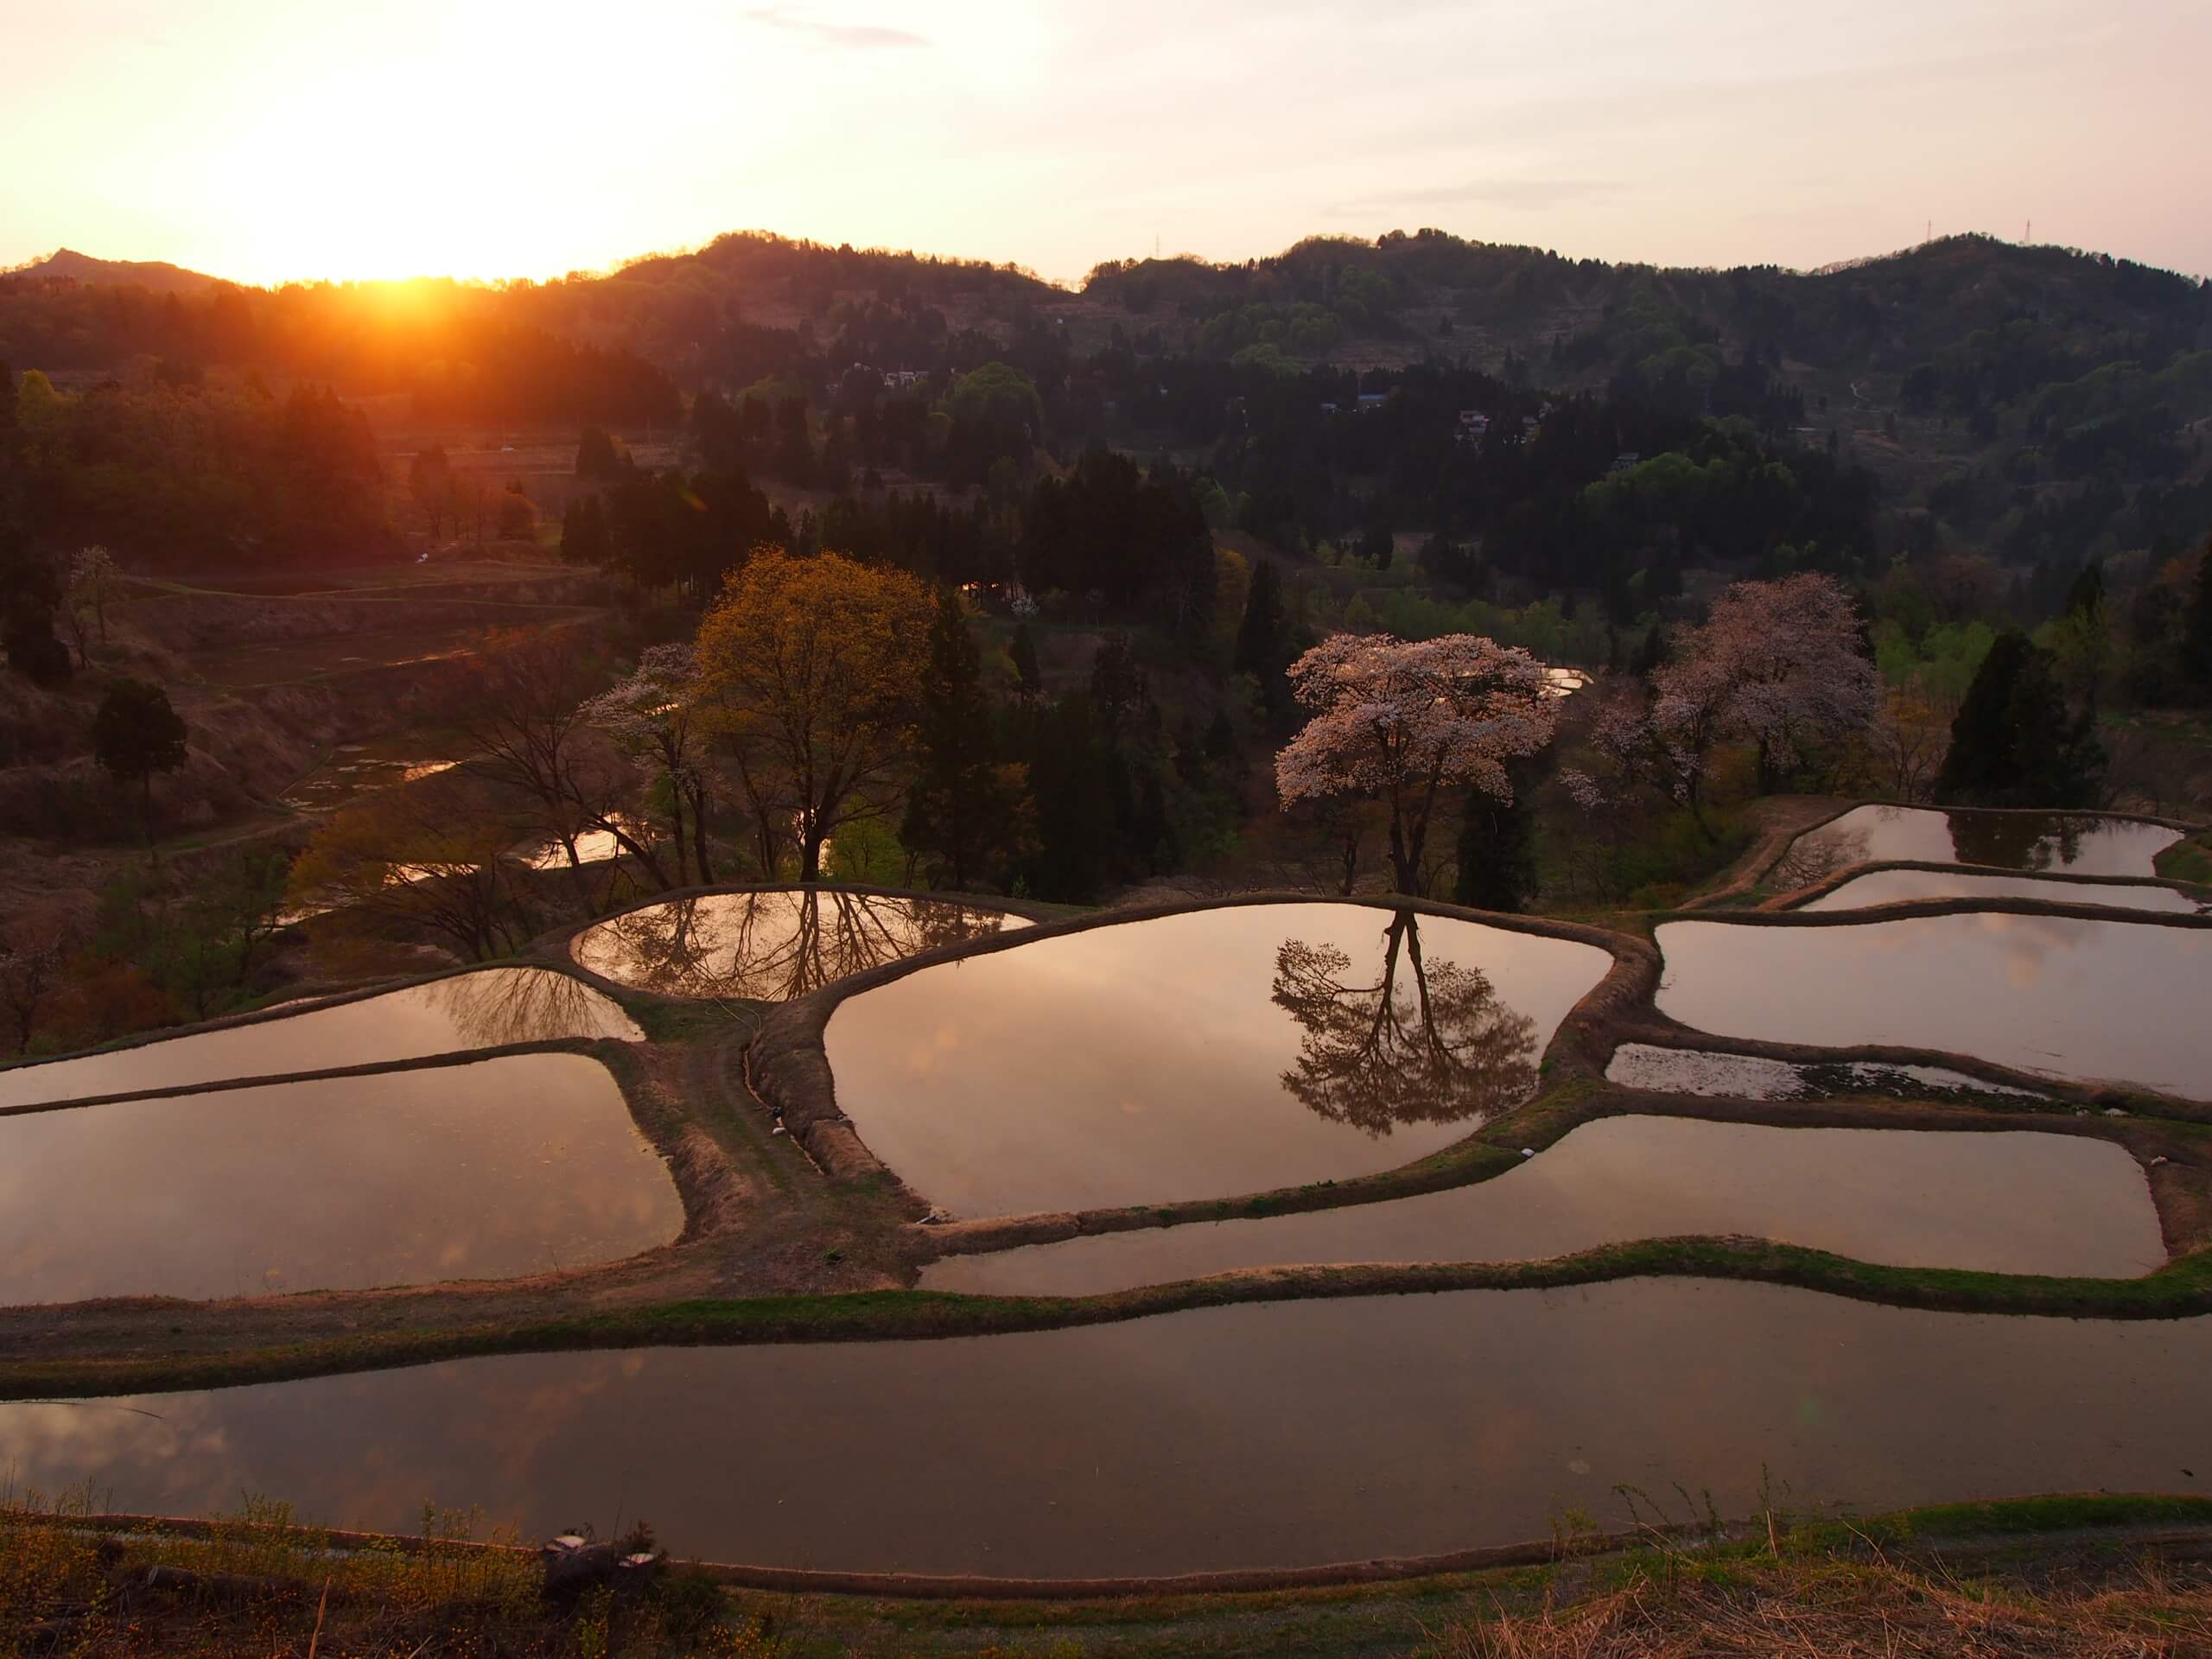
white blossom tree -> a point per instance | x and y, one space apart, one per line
1399 722
1777 664
648 714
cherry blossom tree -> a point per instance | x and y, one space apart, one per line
1399 722
1776 664
648 714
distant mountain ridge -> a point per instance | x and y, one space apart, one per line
155 275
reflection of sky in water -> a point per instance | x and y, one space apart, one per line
2019 841
776 945
2089 1000
1151 1061
1895 887
505 1166
1999 1202
1266 1435
482 1009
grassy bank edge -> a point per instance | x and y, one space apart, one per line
2181 1289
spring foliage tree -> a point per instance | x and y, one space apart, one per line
135 735
806 669
1403 721
651 716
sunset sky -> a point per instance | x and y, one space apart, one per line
264 141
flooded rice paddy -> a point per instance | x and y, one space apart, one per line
2072 843
1202 1055
1289 1433
1899 886
484 1009
524 1164
2091 1000
1998 1202
775 945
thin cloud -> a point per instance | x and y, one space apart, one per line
1535 194
853 35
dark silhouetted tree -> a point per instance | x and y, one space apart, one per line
135 735
2014 743
958 807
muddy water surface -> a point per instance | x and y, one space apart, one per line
491 1007
519 1165
1212 1053
2004 1203
2091 1001
1251 1436
776 945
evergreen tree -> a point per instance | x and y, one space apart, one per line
1071 780
957 810
2014 743
135 735
583 533
1263 642
1497 852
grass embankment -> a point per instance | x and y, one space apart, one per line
2181 1289
2079 1574
2187 861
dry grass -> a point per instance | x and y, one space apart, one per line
1835 1609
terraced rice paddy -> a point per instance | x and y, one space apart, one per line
1201 1055
2090 1001
1286 1433
2002 1203
526 1164
776 945
488 1008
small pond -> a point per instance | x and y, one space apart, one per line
484 1009
1215 1052
2075 844
1999 1202
2091 1000
519 1165
1283 1434
775 945
1896 887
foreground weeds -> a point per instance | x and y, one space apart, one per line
2087 1575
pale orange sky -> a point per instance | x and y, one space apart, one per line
264 141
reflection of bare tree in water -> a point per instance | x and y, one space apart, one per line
1433 1046
774 946
1816 856
520 1005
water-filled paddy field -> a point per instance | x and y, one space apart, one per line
1260 1436
1899 886
2000 1201
773 945
485 1009
524 1164
1750 1077
2091 1001
1200 1055
2072 844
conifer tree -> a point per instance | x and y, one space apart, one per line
957 809
2014 743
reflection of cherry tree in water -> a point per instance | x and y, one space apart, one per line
1425 1042
776 946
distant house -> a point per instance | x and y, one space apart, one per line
902 379
1625 461
1328 408
1473 425
1372 400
